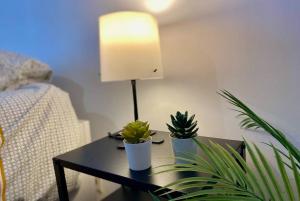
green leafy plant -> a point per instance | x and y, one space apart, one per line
183 126
229 177
136 132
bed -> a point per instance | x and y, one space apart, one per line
37 122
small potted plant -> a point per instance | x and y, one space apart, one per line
183 130
137 142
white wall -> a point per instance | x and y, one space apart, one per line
251 47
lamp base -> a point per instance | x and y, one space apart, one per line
117 135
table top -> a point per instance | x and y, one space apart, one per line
102 159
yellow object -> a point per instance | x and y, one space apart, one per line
129 46
2 138
3 182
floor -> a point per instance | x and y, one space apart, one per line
93 190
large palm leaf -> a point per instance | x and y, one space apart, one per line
230 178
252 120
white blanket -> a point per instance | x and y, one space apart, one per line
38 123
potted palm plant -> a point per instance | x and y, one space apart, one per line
137 142
183 130
228 177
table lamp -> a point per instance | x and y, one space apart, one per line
129 49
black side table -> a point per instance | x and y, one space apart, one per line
103 160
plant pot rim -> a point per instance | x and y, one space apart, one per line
181 138
148 140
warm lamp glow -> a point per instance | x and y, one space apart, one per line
129 46
126 27
158 5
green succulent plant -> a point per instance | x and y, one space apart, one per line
183 126
136 132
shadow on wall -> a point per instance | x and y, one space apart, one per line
97 120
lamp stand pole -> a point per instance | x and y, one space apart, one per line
117 134
135 106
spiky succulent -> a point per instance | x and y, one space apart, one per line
183 126
136 132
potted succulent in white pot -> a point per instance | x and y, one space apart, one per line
183 130
137 142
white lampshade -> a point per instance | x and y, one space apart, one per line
129 47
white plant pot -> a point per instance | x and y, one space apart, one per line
181 146
139 155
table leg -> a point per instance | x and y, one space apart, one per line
61 181
243 150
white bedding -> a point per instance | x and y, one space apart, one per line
38 123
